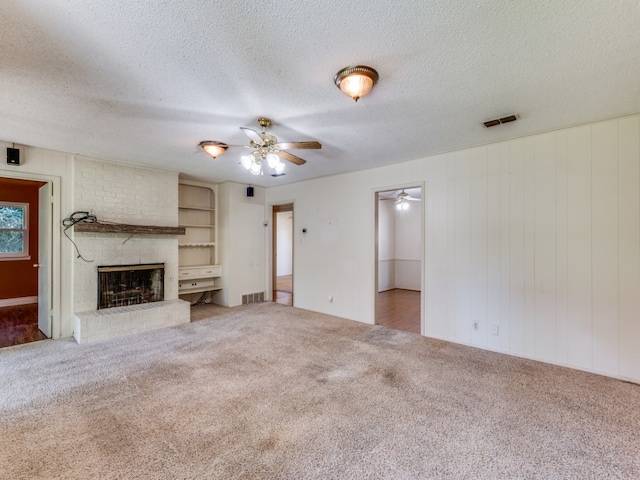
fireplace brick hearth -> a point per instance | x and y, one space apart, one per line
97 325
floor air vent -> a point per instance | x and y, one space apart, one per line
252 298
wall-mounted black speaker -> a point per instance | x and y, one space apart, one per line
13 156
249 191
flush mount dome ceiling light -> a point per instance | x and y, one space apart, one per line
356 81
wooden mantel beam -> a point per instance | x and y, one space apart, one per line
122 228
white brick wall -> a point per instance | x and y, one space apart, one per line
124 194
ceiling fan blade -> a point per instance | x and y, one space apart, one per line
288 145
253 135
412 199
291 158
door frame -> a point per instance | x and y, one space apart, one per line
45 250
55 270
376 195
275 209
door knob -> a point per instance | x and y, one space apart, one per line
36 265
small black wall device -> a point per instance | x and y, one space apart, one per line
249 191
13 156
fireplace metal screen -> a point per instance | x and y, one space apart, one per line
123 285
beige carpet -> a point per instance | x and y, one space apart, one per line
272 392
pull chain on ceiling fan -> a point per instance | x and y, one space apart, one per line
266 148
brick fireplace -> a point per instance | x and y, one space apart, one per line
135 196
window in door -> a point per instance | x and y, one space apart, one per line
14 231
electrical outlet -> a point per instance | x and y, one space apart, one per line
475 325
495 329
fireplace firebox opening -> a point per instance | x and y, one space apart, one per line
124 285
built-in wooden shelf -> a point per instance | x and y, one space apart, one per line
122 228
197 289
198 267
191 207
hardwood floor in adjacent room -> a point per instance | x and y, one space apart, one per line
399 309
283 298
283 292
19 324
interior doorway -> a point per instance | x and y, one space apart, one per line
399 258
25 298
282 265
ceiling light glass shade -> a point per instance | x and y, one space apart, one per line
356 81
403 205
255 168
279 168
213 148
246 161
273 160
356 86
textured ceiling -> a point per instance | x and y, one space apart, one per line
144 81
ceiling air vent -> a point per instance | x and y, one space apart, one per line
499 121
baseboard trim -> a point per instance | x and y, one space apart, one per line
12 302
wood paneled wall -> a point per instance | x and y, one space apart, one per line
540 236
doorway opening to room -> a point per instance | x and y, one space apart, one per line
282 255
399 255
26 212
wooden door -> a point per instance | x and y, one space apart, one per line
45 214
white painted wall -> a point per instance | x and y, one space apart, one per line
335 256
538 235
243 240
285 243
45 165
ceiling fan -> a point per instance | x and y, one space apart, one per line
266 147
404 196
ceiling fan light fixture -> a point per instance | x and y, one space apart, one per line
273 160
246 161
266 150
402 205
213 148
356 81
279 168
255 168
